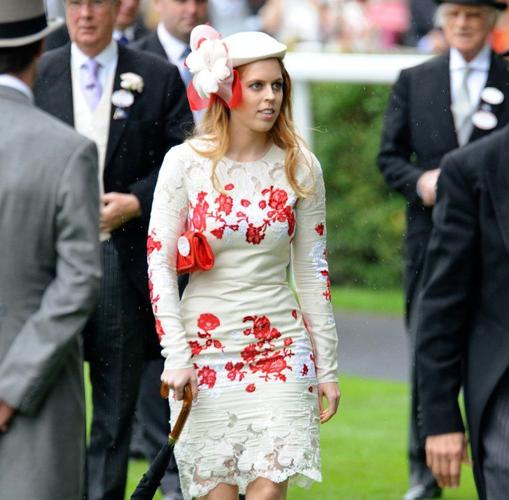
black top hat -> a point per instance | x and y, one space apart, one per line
488 3
23 22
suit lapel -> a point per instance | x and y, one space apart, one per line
156 47
117 126
497 77
440 88
497 180
60 83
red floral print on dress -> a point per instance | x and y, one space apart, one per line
154 299
224 203
199 212
235 370
276 206
159 329
250 388
327 293
320 229
153 243
206 322
207 376
294 313
277 198
254 234
260 356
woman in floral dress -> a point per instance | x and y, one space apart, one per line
261 360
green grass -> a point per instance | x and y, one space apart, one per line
375 301
363 448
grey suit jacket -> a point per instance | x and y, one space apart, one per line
49 277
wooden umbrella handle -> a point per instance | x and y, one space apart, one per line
187 403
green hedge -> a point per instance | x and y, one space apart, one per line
365 219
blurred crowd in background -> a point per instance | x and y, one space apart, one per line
335 25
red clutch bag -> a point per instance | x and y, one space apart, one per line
193 253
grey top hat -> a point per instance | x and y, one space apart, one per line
23 22
488 3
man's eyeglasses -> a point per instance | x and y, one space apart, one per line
76 4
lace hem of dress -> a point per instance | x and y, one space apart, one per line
300 476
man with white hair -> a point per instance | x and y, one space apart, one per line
440 105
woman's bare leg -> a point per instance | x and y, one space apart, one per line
264 489
222 492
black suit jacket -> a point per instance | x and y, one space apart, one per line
463 333
150 43
158 120
418 132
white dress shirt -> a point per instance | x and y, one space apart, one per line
107 59
16 84
128 32
479 66
173 47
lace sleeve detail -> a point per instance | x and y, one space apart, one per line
310 268
167 223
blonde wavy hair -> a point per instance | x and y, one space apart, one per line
214 129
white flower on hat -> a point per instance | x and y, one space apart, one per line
209 64
132 82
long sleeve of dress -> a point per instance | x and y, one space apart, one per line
167 223
312 277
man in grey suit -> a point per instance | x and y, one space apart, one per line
49 274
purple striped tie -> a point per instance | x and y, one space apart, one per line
90 84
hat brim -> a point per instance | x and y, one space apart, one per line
496 5
53 24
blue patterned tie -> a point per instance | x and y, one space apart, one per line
185 73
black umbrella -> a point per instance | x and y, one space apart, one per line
151 480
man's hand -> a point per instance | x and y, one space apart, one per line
427 187
6 413
117 209
444 455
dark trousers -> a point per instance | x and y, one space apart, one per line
419 471
495 443
114 343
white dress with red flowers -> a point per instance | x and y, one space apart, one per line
258 351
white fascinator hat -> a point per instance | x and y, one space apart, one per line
213 60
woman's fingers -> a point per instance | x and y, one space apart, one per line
194 388
178 379
329 391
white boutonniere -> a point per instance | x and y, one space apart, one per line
124 98
484 118
131 82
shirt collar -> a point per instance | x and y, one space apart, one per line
16 84
108 56
480 62
128 32
173 47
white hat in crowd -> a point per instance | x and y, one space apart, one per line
212 61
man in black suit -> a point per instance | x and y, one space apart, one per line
171 38
133 127
129 27
431 112
463 333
